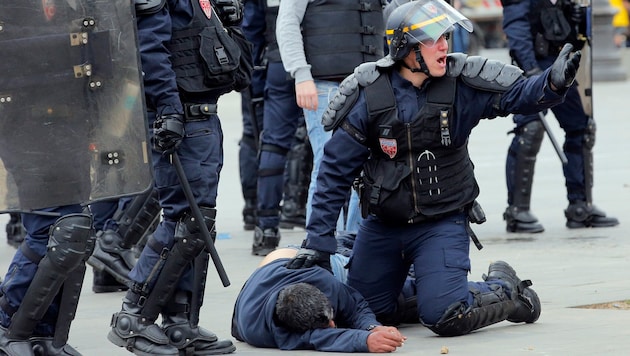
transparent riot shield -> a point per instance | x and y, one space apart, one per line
72 115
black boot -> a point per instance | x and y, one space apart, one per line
111 256
527 302
14 347
104 282
44 346
265 241
519 220
136 333
579 214
189 338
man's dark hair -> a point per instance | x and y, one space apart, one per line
302 306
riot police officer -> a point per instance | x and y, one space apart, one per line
536 31
188 63
405 121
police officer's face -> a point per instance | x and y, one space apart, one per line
435 56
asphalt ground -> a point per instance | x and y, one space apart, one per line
569 268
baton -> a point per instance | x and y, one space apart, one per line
556 146
200 219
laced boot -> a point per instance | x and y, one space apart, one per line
104 282
580 214
526 300
186 335
265 241
136 333
519 220
249 214
111 256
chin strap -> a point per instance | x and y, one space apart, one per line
423 66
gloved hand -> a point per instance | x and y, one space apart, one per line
564 68
307 257
230 11
168 132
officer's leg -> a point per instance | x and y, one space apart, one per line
519 172
377 268
248 155
450 305
46 304
176 242
133 218
578 173
297 180
103 282
280 123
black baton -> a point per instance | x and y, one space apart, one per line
200 219
552 138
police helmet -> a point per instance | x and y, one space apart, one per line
421 21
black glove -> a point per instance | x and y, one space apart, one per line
307 257
168 132
230 11
564 68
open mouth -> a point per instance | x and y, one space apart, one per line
442 61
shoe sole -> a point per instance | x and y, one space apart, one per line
120 342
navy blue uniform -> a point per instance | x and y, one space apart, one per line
254 323
438 250
253 26
201 150
570 115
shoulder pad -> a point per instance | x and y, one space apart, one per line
148 7
455 64
341 103
488 74
364 75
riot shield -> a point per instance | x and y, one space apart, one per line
73 126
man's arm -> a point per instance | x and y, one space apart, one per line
516 27
154 29
290 42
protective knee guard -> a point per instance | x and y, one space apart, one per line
520 175
297 180
113 253
138 219
70 242
488 308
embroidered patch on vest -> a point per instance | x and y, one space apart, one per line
389 146
206 7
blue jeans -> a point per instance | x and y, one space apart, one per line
318 137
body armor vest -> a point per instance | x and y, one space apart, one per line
272 52
341 34
413 174
200 58
552 27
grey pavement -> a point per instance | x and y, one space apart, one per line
569 268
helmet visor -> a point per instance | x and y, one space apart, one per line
427 21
